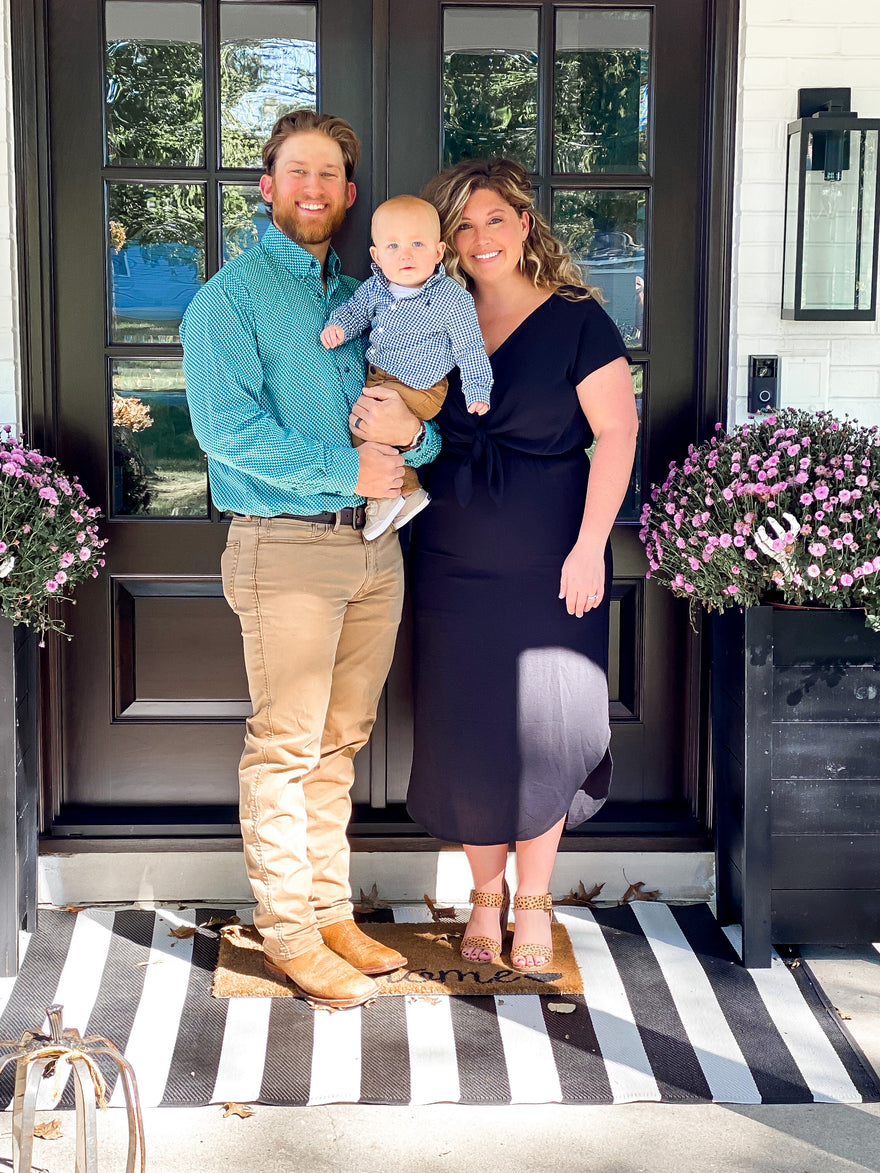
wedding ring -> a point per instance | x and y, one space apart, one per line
357 423
592 596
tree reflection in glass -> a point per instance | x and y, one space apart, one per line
153 96
602 75
158 468
244 218
490 85
605 231
156 242
268 65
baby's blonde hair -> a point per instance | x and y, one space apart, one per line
406 203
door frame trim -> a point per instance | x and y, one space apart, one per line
33 195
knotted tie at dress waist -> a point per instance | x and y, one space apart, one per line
488 450
484 449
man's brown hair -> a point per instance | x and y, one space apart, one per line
297 121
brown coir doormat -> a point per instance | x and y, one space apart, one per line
436 966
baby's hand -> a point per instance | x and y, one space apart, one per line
332 336
477 408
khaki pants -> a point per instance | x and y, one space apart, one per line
319 609
424 404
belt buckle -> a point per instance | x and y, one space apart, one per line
358 516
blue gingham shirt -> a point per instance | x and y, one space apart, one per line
269 404
420 339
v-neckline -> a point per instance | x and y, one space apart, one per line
504 341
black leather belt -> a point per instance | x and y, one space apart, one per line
355 516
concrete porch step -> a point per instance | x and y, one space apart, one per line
100 876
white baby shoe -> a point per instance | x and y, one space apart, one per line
412 505
381 511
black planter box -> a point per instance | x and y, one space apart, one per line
19 815
796 758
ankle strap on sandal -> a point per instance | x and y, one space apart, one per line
487 899
536 903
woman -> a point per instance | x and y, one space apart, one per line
511 562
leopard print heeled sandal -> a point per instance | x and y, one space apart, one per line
499 900
532 903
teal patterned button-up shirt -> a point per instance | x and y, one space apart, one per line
269 404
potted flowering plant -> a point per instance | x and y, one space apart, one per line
775 528
49 542
48 538
784 508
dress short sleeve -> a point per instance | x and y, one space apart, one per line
599 342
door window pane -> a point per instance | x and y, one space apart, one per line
158 467
244 218
156 244
268 65
153 94
605 231
490 84
601 84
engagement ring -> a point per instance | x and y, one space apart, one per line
592 596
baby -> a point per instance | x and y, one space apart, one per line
422 324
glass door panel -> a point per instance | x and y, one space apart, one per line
268 65
601 90
606 233
153 84
490 84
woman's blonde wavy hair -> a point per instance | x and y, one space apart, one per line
545 261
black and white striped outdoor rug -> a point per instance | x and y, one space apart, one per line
667 1014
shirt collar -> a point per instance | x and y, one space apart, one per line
438 273
294 257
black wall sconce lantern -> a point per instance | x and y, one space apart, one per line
832 211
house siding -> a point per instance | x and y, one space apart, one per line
10 384
786 45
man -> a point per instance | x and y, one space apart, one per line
319 607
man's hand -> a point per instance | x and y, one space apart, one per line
380 472
381 415
478 408
332 336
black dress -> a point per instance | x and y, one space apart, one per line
510 691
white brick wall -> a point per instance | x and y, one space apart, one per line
786 45
9 367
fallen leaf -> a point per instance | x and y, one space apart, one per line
71 908
49 1130
635 892
184 932
581 896
439 913
144 964
845 1017
221 921
243 1110
370 900
562 1007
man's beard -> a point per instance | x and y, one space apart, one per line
311 231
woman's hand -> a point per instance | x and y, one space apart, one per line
582 583
381 415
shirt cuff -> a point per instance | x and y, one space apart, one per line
343 470
475 393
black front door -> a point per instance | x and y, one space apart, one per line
155 116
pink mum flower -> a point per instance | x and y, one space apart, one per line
813 570
51 586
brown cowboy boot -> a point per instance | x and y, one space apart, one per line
359 950
324 979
